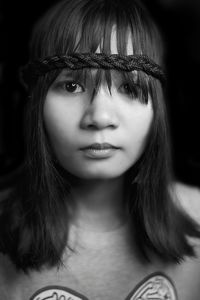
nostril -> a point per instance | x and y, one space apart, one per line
97 127
91 126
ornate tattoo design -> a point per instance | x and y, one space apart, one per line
156 286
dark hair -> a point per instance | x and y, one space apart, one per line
33 224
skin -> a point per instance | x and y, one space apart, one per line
74 119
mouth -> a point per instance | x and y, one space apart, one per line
99 151
98 146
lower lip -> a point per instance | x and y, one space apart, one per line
104 153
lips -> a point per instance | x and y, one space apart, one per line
98 146
99 151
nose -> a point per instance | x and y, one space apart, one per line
101 112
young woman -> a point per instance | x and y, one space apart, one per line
97 214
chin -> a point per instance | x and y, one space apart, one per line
97 174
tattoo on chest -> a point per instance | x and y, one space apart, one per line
156 286
57 293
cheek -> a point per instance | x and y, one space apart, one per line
139 125
59 122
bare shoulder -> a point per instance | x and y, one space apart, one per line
188 197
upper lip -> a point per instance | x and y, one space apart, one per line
99 146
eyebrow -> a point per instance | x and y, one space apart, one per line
66 72
76 75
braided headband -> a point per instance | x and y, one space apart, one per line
77 61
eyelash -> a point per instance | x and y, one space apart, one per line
130 90
74 84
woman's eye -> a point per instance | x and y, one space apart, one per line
73 87
70 87
125 88
131 90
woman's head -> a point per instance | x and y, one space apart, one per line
126 109
107 106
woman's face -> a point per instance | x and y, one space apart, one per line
74 119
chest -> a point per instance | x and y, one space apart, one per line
155 286
103 281
111 273
61 285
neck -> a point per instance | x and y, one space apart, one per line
98 205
